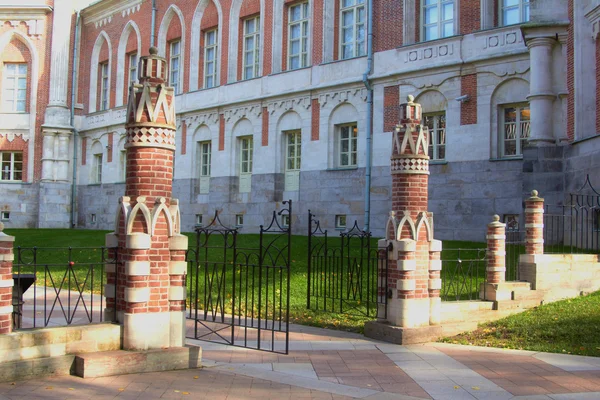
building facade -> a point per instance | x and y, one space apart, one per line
298 100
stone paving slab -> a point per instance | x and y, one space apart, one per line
325 364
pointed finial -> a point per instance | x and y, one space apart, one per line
410 98
534 193
496 218
153 51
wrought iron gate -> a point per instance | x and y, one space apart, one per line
239 292
347 274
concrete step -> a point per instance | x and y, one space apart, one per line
108 363
517 304
455 328
36 367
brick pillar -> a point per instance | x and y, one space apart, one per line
148 284
496 251
6 280
534 224
415 292
435 282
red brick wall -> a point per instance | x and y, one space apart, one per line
183 137
265 126
84 150
317 32
470 16
221 132
17 144
315 119
109 156
387 26
267 35
149 172
571 75
468 109
418 21
391 110
336 29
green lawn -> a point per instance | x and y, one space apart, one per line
569 326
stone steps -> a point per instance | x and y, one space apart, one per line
108 363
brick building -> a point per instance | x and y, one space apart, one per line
274 101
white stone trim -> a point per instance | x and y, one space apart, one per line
179 242
122 75
161 44
7 257
406 265
137 268
137 295
143 331
109 290
435 284
534 211
110 268
6 310
534 225
406 284
406 245
196 36
138 241
178 268
177 293
501 253
92 99
495 237
435 265
7 283
496 269
435 246
532 240
111 240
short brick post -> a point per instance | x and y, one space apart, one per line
496 251
534 224
6 281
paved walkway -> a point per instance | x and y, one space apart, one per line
325 364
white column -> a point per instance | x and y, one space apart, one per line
541 96
48 156
62 158
57 113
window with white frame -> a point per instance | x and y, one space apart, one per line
133 64
104 95
293 156
5 216
438 19
347 145
199 219
123 165
246 155
515 129
340 221
352 25
298 36
14 87
436 122
174 65
11 166
204 160
514 11
210 58
97 169
251 47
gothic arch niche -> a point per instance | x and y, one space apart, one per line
432 101
173 11
509 91
201 178
242 128
124 49
344 114
101 40
196 56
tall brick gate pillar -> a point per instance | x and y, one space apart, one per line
6 280
146 288
414 284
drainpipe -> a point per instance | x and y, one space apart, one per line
75 132
369 123
153 23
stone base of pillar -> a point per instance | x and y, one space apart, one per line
402 335
409 313
501 291
435 310
146 331
54 210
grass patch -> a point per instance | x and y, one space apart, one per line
568 326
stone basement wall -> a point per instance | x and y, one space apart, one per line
51 351
561 276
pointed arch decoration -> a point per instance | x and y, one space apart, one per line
160 207
130 27
95 59
140 207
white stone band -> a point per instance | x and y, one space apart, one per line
496 269
534 240
534 225
137 268
138 241
435 284
435 265
435 246
110 268
178 268
407 265
179 242
6 310
7 257
500 253
7 283
495 237
137 295
177 293
406 284
109 290
534 210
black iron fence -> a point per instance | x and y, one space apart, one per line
59 286
463 273
347 274
240 292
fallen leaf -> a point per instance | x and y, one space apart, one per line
456 387
475 387
49 387
195 377
176 391
121 390
185 392
71 388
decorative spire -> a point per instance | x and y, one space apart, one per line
153 68
410 111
